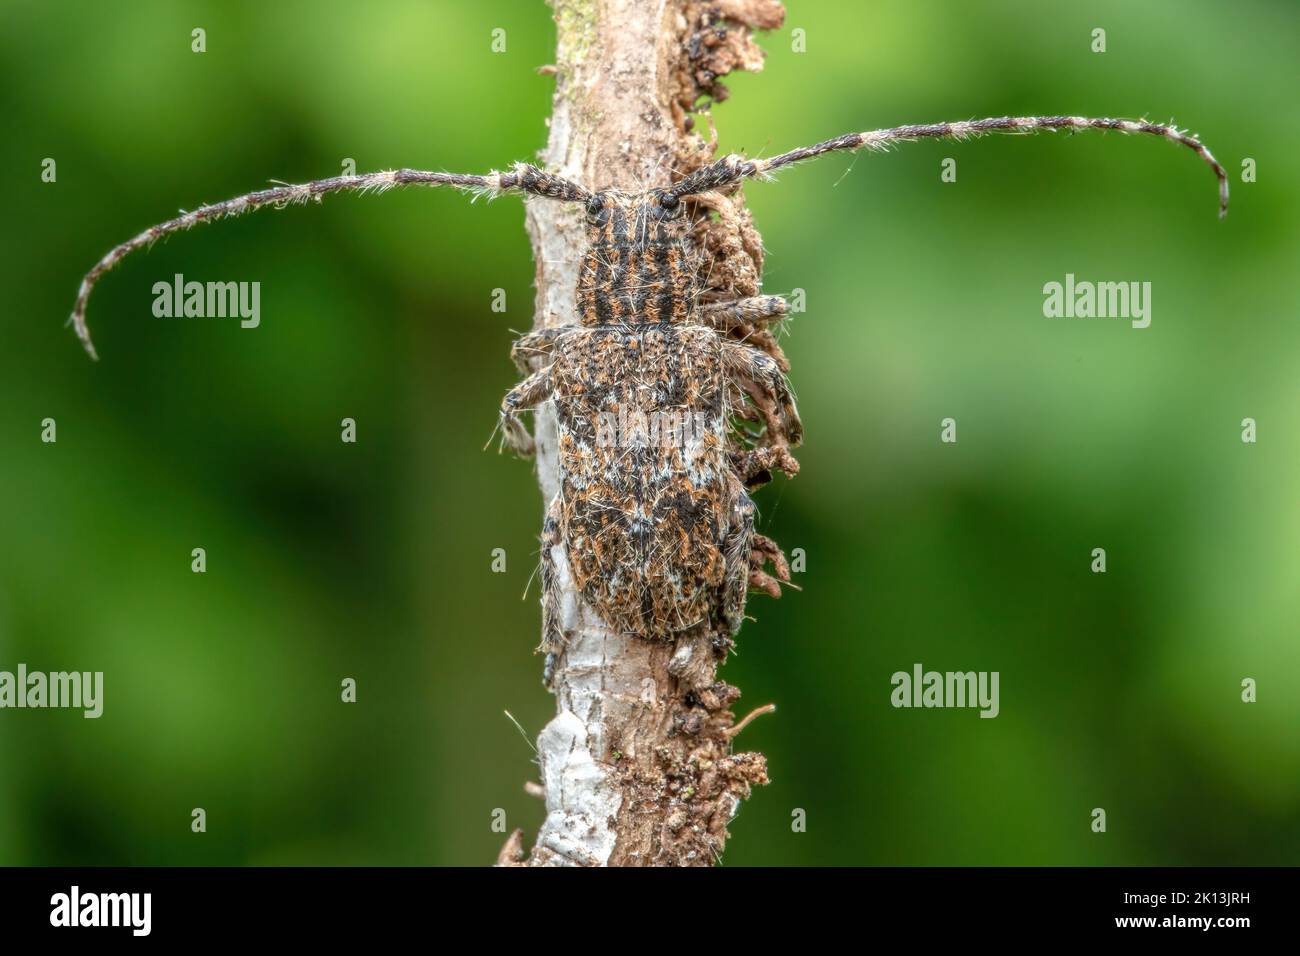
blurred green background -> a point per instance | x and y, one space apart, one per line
372 560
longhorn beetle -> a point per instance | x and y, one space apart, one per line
652 525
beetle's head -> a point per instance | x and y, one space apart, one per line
635 219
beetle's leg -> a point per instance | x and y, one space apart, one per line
736 549
749 320
754 466
762 550
761 378
529 393
552 596
530 352
756 310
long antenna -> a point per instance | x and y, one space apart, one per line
524 178
731 169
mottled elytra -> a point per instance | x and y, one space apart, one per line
652 526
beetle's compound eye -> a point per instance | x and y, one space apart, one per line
596 208
667 205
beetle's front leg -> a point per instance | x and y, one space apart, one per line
751 321
529 393
531 351
757 310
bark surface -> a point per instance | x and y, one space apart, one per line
635 770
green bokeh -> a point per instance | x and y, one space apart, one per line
924 301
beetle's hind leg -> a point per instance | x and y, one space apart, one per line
552 589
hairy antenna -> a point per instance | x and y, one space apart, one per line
524 178
731 169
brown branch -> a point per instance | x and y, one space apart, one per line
636 767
